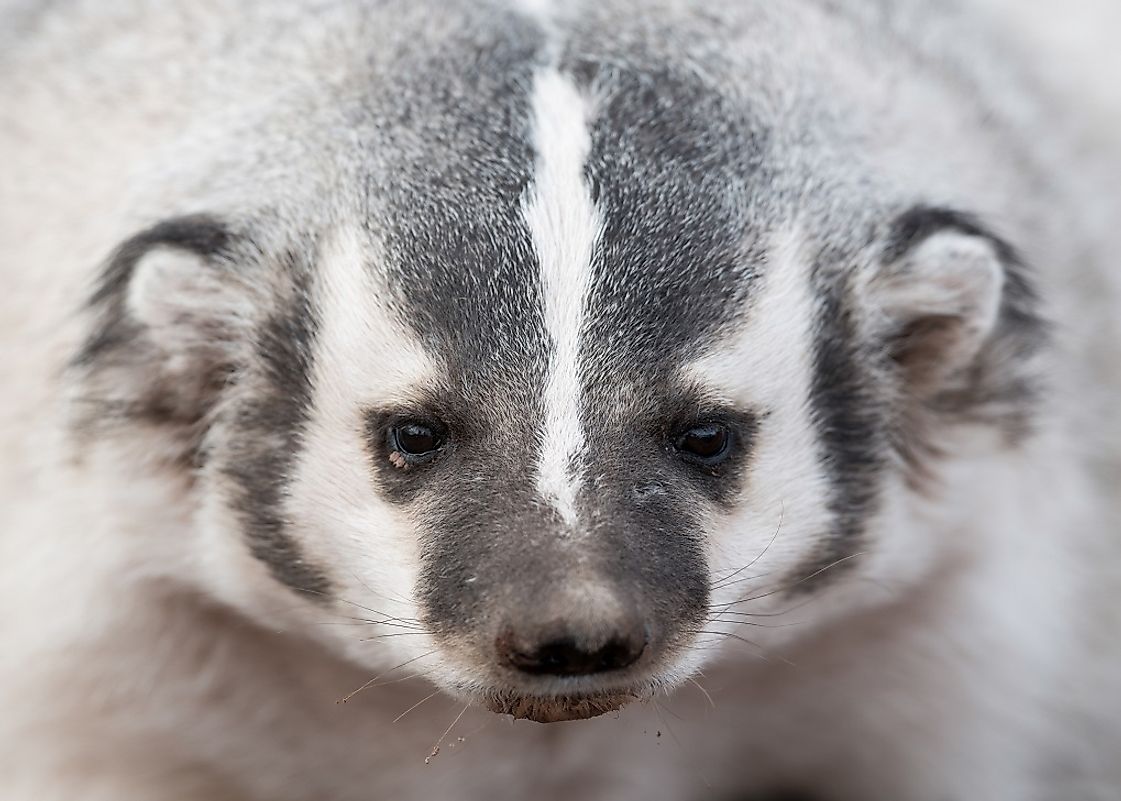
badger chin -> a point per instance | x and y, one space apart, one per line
556 709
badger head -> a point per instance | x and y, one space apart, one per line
586 358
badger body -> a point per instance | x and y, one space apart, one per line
745 373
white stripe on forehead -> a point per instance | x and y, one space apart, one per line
565 226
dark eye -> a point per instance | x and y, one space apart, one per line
707 444
412 442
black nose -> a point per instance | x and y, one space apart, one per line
557 650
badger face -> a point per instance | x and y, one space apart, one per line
588 368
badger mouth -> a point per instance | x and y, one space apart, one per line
556 709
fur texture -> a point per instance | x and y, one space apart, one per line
246 244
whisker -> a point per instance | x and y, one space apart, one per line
433 694
788 587
367 622
352 603
310 591
718 618
730 634
410 677
740 580
704 692
344 617
666 709
724 581
372 591
447 731
392 634
786 611
829 566
383 673
759 652
463 738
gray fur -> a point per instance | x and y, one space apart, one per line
406 128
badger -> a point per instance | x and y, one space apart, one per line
729 387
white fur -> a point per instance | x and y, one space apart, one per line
146 656
364 360
784 505
565 226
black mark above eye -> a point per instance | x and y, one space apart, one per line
705 444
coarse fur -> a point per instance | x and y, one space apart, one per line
244 243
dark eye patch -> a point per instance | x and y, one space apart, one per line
709 440
401 438
705 443
415 441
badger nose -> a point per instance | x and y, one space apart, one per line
566 656
598 640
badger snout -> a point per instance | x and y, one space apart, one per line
599 633
550 623
573 650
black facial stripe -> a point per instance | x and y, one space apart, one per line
852 430
267 432
461 261
263 436
855 421
400 483
720 483
465 278
671 167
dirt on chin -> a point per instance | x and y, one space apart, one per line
555 710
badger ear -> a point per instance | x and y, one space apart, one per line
170 311
188 305
959 321
940 303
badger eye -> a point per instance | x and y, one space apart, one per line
411 440
707 444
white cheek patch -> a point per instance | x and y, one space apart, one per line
565 226
768 365
363 358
